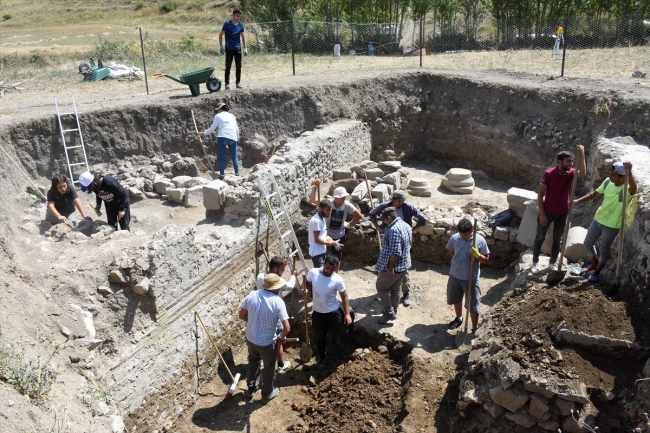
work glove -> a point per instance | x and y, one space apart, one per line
338 246
245 51
346 225
474 252
222 50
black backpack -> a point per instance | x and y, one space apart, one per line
503 218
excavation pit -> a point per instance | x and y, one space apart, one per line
505 132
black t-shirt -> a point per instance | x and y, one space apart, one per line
64 203
112 193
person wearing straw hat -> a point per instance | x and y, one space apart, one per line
62 199
225 124
406 211
109 190
461 252
261 310
608 217
336 222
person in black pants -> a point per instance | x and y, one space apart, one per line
109 190
325 283
233 29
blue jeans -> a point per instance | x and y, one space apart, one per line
222 142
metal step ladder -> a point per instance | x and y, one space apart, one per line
67 148
279 217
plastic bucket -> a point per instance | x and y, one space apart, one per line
266 158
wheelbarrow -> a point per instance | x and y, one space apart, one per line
195 78
92 72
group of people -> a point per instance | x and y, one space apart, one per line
397 220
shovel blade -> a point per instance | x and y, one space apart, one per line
555 277
213 175
464 340
305 353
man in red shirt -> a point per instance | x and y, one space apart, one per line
553 202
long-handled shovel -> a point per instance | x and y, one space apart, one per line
235 378
554 277
305 350
619 260
462 341
213 175
372 206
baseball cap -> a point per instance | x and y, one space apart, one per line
85 180
619 168
274 282
340 192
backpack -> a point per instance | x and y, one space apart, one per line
503 218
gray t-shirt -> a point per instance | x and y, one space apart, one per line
460 262
335 227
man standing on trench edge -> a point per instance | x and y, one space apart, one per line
318 239
261 310
325 283
233 29
276 266
553 203
461 250
406 211
337 224
393 262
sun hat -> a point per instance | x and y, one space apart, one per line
340 192
219 106
274 282
619 168
85 180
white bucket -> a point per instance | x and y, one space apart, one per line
337 50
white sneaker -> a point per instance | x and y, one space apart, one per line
239 86
227 87
552 267
534 269
284 367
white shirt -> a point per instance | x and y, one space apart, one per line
291 283
324 290
316 223
227 125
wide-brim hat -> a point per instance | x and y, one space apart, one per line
219 106
274 282
340 192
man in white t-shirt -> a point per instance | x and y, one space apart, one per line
318 239
337 224
325 283
276 266
227 136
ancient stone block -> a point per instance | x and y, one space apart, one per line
512 398
502 234
176 195
393 179
458 174
601 345
141 287
528 225
390 166
565 406
374 173
214 194
193 196
538 389
135 193
381 192
577 392
359 192
538 406
575 249
161 185
549 425
494 410
116 276
419 192
517 199
522 419
426 229
338 174
194 182
179 181
418 182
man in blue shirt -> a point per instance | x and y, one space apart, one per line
393 262
406 211
233 29
461 251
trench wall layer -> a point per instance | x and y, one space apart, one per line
509 130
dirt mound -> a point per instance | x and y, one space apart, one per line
529 319
364 394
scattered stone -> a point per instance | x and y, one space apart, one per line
179 181
360 191
176 195
117 277
66 332
117 424
502 233
638 74
118 234
194 182
538 406
89 343
512 398
104 290
381 192
549 425
161 185
151 195
338 174
493 409
142 287
135 193
522 419
603 346
390 166
415 110
565 407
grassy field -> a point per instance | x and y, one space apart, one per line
43 43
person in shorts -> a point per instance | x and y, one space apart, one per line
461 250
337 224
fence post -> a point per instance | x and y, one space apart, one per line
293 49
420 41
144 64
566 23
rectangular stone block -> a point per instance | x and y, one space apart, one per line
193 196
359 192
517 199
381 192
338 174
214 194
161 185
176 195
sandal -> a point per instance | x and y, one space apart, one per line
593 278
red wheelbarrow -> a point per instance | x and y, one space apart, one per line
195 78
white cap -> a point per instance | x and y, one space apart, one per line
86 179
340 192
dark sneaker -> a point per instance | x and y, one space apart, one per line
251 392
406 300
273 394
387 317
474 330
456 323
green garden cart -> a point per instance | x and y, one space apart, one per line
195 78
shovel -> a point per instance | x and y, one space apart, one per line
372 206
213 175
554 277
462 341
305 350
613 288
